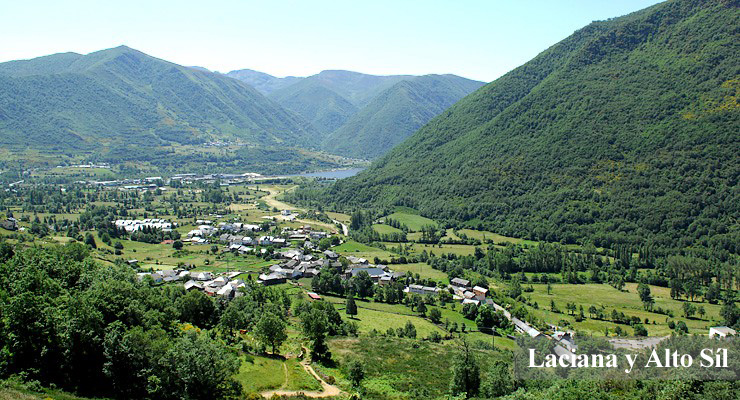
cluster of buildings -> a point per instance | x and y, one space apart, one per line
225 179
305 232
132 225
225 286
462 290
152 182
163 276
298 264
230 233
10 224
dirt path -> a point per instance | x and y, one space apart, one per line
271 200
327 390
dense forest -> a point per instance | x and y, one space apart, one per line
68 322
623 133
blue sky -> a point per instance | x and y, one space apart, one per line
478 39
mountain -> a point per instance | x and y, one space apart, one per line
328 99
325 109
202 69
396 113
264 83
363 116
119 98
624 132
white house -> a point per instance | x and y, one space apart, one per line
721 332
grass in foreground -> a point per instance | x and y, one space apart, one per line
396 368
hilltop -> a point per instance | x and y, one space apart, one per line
264 83
624 132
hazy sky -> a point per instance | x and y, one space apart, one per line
479 39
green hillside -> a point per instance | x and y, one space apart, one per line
264 83
626 131
120 97
359 89
396 113
328 99
325 109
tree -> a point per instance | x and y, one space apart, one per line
409 330
702 312
90 240
351 308
355 372
465 373
421 307
314 323
640 330
196 367
498 381
197 308
324 244
177 245
515 290
435 315
688 310
729 311
363 284
647 299
713 293
270 330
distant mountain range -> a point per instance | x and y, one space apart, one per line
69 102
120 102
261 81
360 115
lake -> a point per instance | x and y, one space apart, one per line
334 174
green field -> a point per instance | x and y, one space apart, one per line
385 229
352 248
627 301
257 374
411 218
423 269
383 316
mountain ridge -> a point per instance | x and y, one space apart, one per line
557 149
123 95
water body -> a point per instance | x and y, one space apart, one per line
334 174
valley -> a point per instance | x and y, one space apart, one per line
171 232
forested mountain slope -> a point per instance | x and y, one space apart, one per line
71 102
626 131
396 113
264 83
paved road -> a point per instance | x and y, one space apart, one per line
345 229
636 344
